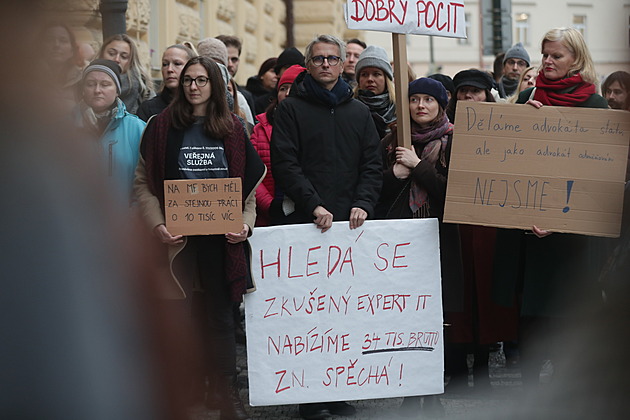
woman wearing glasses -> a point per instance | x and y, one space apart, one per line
199 119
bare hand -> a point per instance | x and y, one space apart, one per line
357 217
407 157
323 218
234 238
166 237
401 171
541 233
536 104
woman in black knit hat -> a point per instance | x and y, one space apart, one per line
481 322
414 186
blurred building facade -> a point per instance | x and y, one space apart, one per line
605 25
262 25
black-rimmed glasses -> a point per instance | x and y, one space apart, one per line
318 60
200 81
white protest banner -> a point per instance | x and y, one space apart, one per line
345 315
425 17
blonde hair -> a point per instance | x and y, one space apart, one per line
389 88
512 99
136 69
573 40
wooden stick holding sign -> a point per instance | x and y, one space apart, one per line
203 206
443 18
403 123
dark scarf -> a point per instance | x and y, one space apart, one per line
379 105
154 153
339 93
429 144
570 91
509 85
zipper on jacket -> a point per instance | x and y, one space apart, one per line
111 158
332 111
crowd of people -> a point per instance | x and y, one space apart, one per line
499 285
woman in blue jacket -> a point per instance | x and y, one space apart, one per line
103 116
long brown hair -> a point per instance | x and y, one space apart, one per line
219 121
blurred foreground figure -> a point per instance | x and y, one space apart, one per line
78 342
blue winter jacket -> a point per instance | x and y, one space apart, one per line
120 148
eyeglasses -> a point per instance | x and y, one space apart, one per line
200 81
318 60
520 63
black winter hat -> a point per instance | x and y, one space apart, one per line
289 57
445 80
473 77
109 67
429 87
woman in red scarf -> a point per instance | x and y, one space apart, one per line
567 74
552 275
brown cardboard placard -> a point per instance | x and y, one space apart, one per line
559 168
203 206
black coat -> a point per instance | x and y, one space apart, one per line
154 105
324 155
394 204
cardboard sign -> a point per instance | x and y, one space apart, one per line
203 206
345 315
559 168
425 17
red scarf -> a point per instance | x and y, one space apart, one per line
156 137
554 92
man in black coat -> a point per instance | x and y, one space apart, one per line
325 148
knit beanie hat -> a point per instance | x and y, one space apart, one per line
289 57
213 49
517 51
445 80
109 67
267 65
431 87
374 56
473 77
290 74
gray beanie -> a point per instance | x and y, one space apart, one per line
374 56
109 67
517 51
214 50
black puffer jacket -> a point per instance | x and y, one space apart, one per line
324 155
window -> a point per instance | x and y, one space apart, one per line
521 28
466 41
579 23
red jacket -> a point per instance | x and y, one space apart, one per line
261 137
